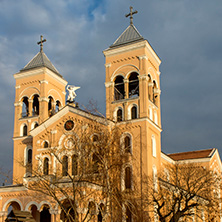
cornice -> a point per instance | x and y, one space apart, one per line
140 120
133 46
62 113
39 71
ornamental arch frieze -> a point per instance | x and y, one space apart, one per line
124 70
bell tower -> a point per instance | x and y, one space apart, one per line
133 93
39 94
132 77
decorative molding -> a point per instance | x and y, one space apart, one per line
143 57
44 99
18 104
108 65
44 81
144 77
38 71
109 84
53 131
133 46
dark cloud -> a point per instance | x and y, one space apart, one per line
186 35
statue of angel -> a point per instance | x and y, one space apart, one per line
72 94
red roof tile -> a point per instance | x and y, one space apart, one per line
192 154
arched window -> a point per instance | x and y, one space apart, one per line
95 138
68 213
119 88
153 141
96 162
127 144
45 214
155 95
46 144
74 165
35 105
92 208
133 85
51 109
101 212
29 160
119 115
128 178
134 112
25 107
58 106
25 130
36 125
150 87
46 166
128 214
65 166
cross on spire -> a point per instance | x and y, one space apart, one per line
41 43
131 14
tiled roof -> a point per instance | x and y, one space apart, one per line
192 154
41 60
131 34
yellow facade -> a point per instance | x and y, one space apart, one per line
132 103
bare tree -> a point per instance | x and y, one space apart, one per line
183 191
94 173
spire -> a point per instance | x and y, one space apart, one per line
41 60
41 43
130 35
131 15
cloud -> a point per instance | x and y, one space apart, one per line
185 34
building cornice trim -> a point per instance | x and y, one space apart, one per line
38 71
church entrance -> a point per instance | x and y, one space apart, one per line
45 216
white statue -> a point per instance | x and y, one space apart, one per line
72 94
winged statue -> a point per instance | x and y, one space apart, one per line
72 95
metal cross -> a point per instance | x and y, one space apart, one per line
131 14
41 43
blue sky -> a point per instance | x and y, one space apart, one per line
186 35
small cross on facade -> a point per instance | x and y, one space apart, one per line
41 43
131 14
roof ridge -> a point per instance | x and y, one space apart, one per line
194 151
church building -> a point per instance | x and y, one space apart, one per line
44 120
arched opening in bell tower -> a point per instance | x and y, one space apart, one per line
133 85
51 109
25 107
35 107
119 88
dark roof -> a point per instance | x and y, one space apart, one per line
20 216
130 35
41 60
192 154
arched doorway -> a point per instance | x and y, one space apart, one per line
45 216
69 212
35 213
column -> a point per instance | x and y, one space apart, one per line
30 107
3 216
